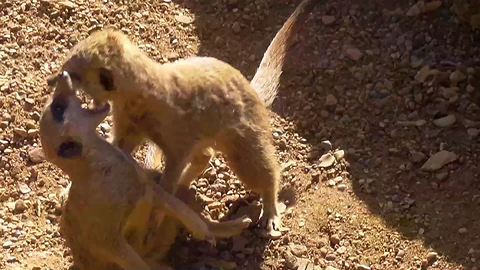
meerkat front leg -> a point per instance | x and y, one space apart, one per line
125 134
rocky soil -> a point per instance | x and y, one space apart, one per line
376 127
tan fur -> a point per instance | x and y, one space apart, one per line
111 214
190 107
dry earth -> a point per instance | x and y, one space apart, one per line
387 86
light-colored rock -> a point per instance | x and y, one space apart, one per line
438 160
446 121
326 160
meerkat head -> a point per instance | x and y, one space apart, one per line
65 126
91 63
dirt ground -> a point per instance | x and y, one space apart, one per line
388 91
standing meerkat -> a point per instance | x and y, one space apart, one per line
191 107
111 214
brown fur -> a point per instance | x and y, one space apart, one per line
111 214
190 107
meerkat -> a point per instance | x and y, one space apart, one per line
113 203
190 108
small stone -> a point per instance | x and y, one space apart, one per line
105 127
331 100
400 253
363 267
441 176
327 20
326 145
438 160
339 155
20 207
462 230
24 188
331 183
424 73
298 250
473 132
342 187
20 132
416 156
432 257
330 257
32 133
326 160
36 155
446 121
334 239
457 76
354 54
67 4
236 27
341 250
7 244
184 19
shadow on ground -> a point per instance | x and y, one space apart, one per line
374 92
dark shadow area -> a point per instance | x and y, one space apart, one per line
371 95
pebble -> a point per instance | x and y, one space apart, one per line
236 27
7 244
438 160
330 257
184 19
446 121
334 239
326 145
363 267
416 156
36 155
341 250
20 207
326 160
354 54
441 176
331 100
20 132
432 257
328 20
473 132
456 77
298 250
339 155
462 230
342 187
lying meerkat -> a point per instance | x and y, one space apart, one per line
113 203
190 107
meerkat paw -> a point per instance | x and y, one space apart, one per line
272 226
63 196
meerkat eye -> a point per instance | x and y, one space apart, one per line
106 79
70 149
57 108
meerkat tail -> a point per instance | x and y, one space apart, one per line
267 78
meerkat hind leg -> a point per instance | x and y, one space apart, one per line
126 257
251 156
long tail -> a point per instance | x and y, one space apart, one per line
267 78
